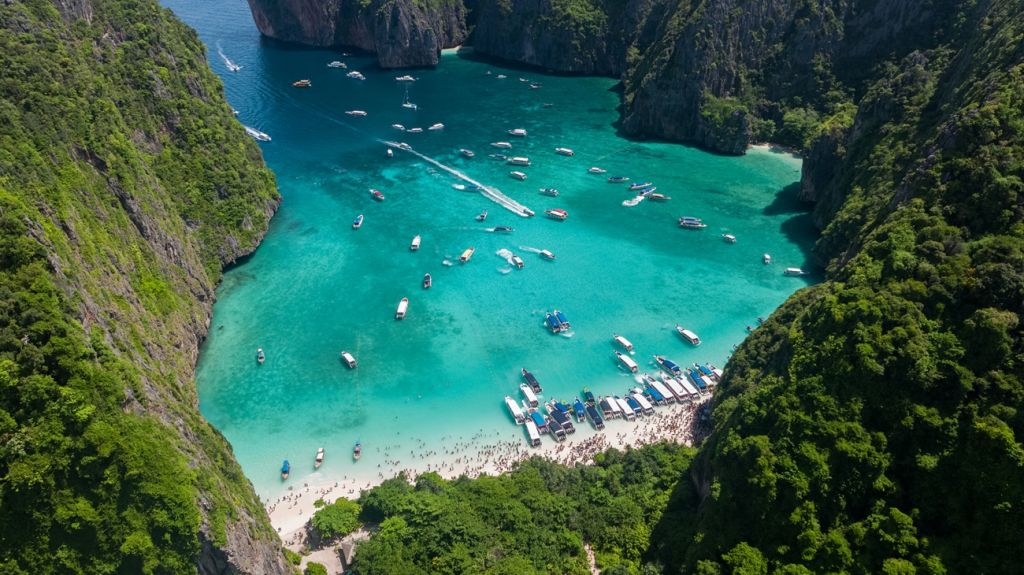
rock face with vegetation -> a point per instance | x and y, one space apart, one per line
125 186
403 33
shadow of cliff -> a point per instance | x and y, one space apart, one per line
798 229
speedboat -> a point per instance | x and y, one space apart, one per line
564 152
547 255
437 126
639 186
403 308
377 195
460 187
633 201
501 76
357 113
656 197
518 132
357 451
390 153
625 343
668 365
336 64
302 84
415 245
409 105
498 156
286 468
596 170
467 255
466 153
356 75
406 78
358 222
647 191
687 335
535 86
517 261
319 458
618 179
427 281
691 223
415 130
794 272
549 192
502 145
627 361
481 216
256 134
260 356
729 238
398 127
518 161
504 229
766 258
349 359
518 175
557 214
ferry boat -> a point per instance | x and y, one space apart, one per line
319 458
531 381
549 192
358 113
286 468
427 281
398 127
692 223
357 451
466 255
405 78
794 272
503 229
336 64
639 186
517 412
668 365
518 175
376 194
436 127
618 179
627 361
547 255
531 397
655 197
595 418
687 335
349 359
766 258
533 433
552 323
481 216
256 134
358 222
625 343
302 84
564 152
729 238
466 153
557 214
356 75
518 132
517 261
501 145
518 161
560 418
260 356
596 170
403 308
415 245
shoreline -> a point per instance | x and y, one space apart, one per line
480 455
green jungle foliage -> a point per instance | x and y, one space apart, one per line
534 520
125 185
314 568
336 519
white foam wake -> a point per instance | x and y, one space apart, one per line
232 67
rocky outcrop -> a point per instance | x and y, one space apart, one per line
403 33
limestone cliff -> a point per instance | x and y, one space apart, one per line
403 33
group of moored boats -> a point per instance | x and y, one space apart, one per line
318 459
556 321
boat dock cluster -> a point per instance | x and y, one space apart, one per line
672 385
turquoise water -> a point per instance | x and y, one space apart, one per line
316 286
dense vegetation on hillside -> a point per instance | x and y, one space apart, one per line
125 185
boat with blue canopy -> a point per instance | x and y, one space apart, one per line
538 420
668 365
577 407
595 417
285 469
655 395
562 320
588 396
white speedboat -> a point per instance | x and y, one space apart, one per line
390 153
656 197
466 153
518 161
436 127
546 255
557 214
518 175
794 272
627 361
358 113
349 359
302 83
256 134
459 187
518 132
564 152
729 238
596 170
319 460
356 75
405 78
403 308
687 335
766 258
502 145
415 245
427 281
336 64
517 261
692 223
501 76
549 192
398 127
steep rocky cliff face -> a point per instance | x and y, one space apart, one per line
403 33
125 186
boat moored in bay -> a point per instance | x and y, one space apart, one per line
427 281
377 195
415 245
687 335
627 361
639 186
515 410
517 261
529 394
668 365
358 222
691 223
618 179
766 258
531 381
518 132
403 308
501 145
466 255
794 272
302 84
357 450
518 175
557 214
319 460
349 359
466 152
625 343
729 238
356 113
260 356
596 170
546 255
564 152
518 161
552 192
256 134
286 468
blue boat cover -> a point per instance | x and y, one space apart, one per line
552 322
655 394
561 317
538 419
578 407
285 467
589 396
706 370
561 407
634 404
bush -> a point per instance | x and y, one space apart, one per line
337 519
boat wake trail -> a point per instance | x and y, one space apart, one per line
505 255
232 67
529 249
489 192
